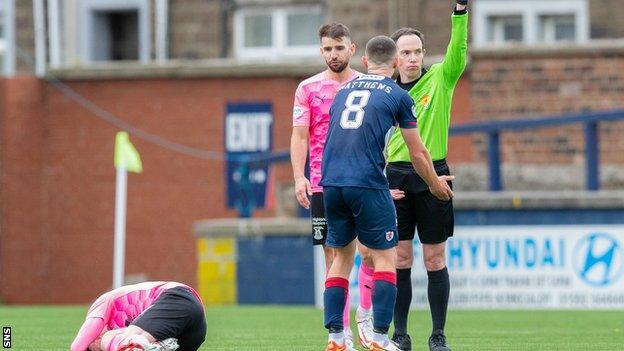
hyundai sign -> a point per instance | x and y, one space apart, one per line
573 266
525 267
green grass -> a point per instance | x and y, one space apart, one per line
300 328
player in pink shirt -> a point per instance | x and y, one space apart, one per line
159 316
313 99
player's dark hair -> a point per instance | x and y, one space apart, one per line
334 30
381 49
407 31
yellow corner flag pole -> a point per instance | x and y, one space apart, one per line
126 159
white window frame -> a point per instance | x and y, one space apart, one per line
88 7
530 10
279 33
549 27
499 31
7 43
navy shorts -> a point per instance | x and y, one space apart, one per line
367 214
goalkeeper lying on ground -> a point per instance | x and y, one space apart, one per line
147 316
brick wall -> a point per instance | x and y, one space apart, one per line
431 17
58 181
606 19
195 29
24 244
530 83
367 19
460 148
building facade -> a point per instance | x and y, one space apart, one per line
84 33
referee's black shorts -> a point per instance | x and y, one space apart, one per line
176 313
419 209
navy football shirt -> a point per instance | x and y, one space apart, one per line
360 117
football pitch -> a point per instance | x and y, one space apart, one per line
300 328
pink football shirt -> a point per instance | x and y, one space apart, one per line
117 308
313 99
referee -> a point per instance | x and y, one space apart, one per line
432 92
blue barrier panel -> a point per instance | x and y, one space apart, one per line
275 270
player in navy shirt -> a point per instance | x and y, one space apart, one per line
355 144
355 191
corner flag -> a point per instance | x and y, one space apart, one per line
126 159
126 156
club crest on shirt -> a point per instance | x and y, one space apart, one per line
414 111
389 235
425 100
297 111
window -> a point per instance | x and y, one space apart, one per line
557 28
498 22
505 28
258 30
302 29
115 30
277 32
116 33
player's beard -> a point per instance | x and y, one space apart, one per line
337 66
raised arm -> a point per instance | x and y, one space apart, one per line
454 61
